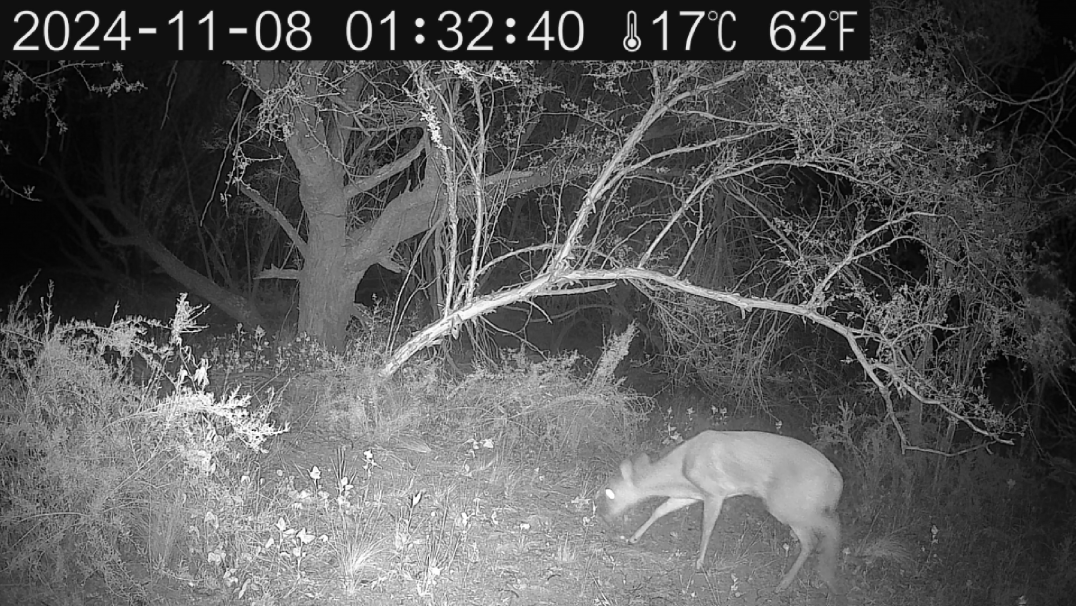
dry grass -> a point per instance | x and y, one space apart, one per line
427 490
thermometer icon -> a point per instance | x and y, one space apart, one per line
632 41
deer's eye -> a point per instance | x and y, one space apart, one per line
609 494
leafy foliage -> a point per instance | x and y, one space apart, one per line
92 458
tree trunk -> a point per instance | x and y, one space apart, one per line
334 261
327 287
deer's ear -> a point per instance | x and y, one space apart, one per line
631 466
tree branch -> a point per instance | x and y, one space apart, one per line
277 216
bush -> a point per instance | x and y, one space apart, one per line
973 521
94 463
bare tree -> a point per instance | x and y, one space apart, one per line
136 184
851 196
867 199
716 139
371 176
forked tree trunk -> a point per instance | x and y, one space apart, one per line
327 287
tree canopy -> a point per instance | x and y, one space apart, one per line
898 205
